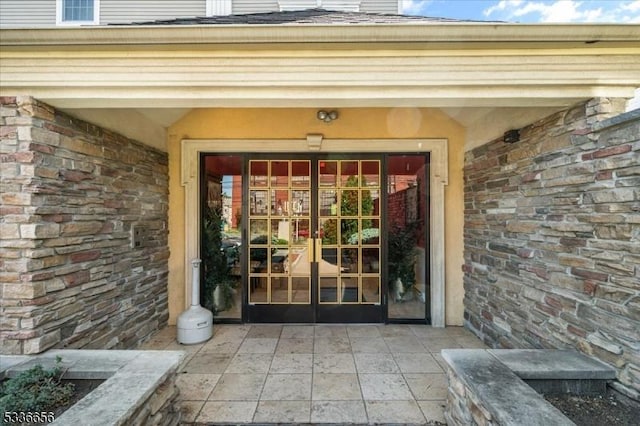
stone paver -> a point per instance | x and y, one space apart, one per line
316 373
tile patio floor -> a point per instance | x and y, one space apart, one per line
315 373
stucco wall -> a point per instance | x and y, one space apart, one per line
552 237
70 194
354 123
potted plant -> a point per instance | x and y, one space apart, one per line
402 261
218 286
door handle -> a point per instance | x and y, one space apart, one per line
318 252
310 251
314 248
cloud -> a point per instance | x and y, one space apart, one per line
414 7
502 5
566 11
634 6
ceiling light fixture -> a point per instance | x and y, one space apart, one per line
327 116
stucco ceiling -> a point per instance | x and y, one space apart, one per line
149 125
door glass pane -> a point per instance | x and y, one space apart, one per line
371 260
300 290
258 290
329 231
279 174
349 231
279 290
300 231
349 173
258 203
349 260
371 290
328 290
300 174
301 203
350 290
370 174
407 187
329 263
349 203
221 249
258 171
280 205
258 231
279 261
370 232
328 202
328 173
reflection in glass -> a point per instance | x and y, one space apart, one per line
301 203
328 290
301 174
279 174
328 202
279 290
349 231
370 173
300 290
221 250
349 173
280 202
258 203
371 260
328 173
350 260
349 203
258 290
371 290
279 261
258 173
300 231
350 289
407 190
329 231
258 231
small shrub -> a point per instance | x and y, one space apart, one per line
35 390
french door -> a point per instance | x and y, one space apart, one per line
314 240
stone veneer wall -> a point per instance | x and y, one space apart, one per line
552 238
70 194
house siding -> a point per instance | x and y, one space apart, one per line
124 11
27 13
240 7
551 235
379 6
72 194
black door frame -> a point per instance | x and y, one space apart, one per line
316 312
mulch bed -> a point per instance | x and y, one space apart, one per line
612 409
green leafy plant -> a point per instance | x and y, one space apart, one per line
215 264
36 390
402 256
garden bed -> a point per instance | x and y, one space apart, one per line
138 386
611 409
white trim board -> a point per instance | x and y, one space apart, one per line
190 171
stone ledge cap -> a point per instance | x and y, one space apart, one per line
543 364
509 399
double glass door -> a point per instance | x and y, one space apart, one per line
314 240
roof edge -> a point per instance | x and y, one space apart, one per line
319 33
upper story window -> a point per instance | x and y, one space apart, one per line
77 12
